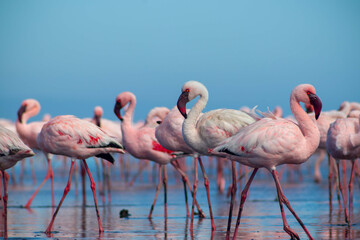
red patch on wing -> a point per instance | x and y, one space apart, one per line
94 140
79 142
60 133
158 147
242 148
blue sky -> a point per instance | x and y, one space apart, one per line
74 55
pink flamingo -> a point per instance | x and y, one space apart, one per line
169 135
12 150
343 142
153 118
207 131
270 142
28 132
141 142
80 139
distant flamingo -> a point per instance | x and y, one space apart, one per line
343 143
12 150
141 142
28 132
270 142
207 131
80 139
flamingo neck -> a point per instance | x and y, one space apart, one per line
129 114
307 126
190 133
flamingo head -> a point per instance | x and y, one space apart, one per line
28 105
306 93
189 91
98 112
121 101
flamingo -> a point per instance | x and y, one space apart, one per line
169 135
142 143
207 131
28 132
270 142
343 143
12 150
75 138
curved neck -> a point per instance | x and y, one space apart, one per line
190 133
307 126
129 113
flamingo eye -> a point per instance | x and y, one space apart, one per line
187 90
308 92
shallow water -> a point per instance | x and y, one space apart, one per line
261 216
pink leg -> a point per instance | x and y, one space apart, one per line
83 181
52 181
243 198
176 165
351 189
344 180
206 183
165 191
330 176
283 199
66 190
219 172
318 161
92 185
157 191
233 196
48 175
33 174
5 178
103 185
186 179
342 194
108 182
196 182
22 169
141 168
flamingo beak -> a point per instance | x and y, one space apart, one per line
117 110
181 103
316 103
20 112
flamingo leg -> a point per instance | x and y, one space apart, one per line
344 180
52 180
351 189
330 176
5 178
141 168
165 191
33 174
206 183
158 187
318 161
103 185
196 182
243 198
108 182
22 170
92 185
283 199
176 165
48 175
342 194
66 190
233 197
83 181
186 179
